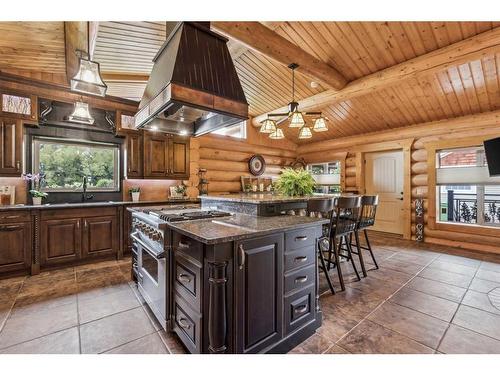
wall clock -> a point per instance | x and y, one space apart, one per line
257 165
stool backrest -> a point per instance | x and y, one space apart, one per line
347 214
369 205
321 205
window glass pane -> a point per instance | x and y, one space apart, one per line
64 164
317 168
16 104
492 205
458 205
334 168
237 130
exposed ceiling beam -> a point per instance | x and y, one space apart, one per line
124 77
266 41
76 36
458 53
93 32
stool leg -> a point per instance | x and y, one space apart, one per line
349 251
323 265
337 263
330 253
370 249
360 253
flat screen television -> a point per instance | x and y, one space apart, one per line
492 151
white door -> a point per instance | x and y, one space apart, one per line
384 177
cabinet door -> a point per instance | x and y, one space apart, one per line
134 155
259 293
100 236
15 244
179 157
156 157
11 138
60 241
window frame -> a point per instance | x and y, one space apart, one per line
433 209
56 140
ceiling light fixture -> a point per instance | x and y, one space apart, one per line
88 79
296 118
81 114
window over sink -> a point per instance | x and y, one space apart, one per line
64 163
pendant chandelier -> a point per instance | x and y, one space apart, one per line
81 114
88 79
296 118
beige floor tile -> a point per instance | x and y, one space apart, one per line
106 304
478 321
483 286
316 344
479 301
458 340
438 289
488 275
452 278
150 344
62 342
453 267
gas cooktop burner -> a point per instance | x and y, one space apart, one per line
189 215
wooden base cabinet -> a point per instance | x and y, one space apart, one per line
15 245
258 295
72 235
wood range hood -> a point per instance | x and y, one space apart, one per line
193 88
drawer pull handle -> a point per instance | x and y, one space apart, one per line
11 217
301 309
183 278
9 227
183 323
301 280
301 238
300 259
242 256
184 245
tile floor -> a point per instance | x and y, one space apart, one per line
423 299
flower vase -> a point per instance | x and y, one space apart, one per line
37 201
135 196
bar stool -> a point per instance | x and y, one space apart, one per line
324 206
343 223
369 205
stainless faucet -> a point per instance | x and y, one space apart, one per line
86 196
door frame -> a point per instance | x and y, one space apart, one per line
401 145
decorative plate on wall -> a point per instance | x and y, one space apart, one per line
257 165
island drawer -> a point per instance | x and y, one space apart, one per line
299 309
296 239
299 258
7 217
187 325
187 280
188 246
300 278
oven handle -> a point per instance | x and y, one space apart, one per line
160 255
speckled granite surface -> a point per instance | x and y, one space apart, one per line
261 198
241 226
94 204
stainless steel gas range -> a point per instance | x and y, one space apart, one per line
151 239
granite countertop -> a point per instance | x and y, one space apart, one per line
263 198
95 204
241 226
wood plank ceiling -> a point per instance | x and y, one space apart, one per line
356 49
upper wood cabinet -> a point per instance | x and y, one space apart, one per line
166 156
11 139
135 153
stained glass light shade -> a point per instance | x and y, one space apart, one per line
268 126
320 125
16 104
81 114
305 132
88 79
296 120
278 134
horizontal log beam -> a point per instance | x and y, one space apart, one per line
262 39
457 53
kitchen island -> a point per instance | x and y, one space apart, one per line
239 283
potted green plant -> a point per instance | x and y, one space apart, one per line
33 181
295 182
135 192
248 188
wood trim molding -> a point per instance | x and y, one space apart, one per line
431 148
457 53
262 39
76 37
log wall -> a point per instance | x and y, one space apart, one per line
486 124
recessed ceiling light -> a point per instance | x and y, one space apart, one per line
154 128
183 132
314 84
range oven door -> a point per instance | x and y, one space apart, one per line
152 278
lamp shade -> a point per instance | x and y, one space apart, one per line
278 134
88 79
305 132
320 125
296 119
268 126
81 114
